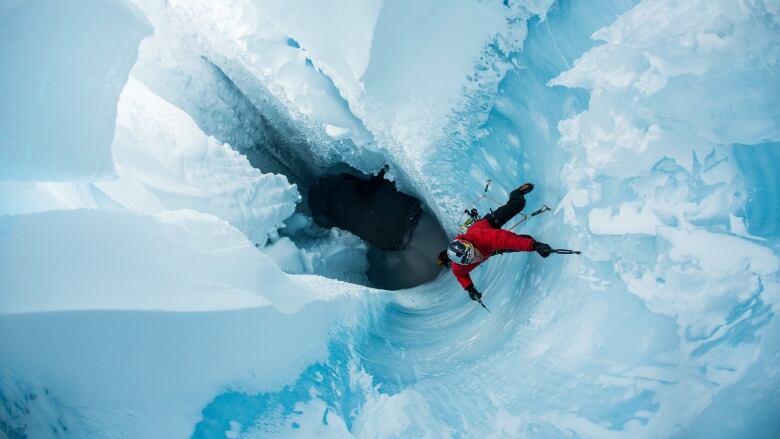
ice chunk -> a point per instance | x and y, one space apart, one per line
161 147
160 367
336 132
401 415
249 42
628 219
704 71
64 65
94 259
286 255
703 277
340 255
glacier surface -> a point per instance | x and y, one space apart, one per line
160 274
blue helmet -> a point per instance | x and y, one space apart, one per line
461 252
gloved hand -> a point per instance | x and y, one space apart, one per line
474 294
543 249
443 260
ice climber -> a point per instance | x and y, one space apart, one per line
485 238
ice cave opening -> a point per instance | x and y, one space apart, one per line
403 237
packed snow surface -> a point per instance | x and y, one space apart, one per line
160 274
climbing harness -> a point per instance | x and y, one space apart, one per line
470 216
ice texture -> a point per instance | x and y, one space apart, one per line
159 147
166 302
148 373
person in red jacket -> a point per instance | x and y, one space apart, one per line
485 238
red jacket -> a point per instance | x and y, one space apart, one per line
489 241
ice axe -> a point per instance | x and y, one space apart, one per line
483 305
539 211
563 251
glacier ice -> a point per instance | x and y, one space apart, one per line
61 77
160 277
160 148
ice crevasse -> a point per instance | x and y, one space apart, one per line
160 275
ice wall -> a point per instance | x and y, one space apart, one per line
63 68
672 88
650 192
132 284
386 100
160 149
671 310
151 313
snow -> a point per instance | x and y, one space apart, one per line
405 414
158 280
703 276
628 219
334 253
286 255
728 48
161 147
336 132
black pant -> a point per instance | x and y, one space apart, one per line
503 214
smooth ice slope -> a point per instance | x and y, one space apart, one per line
63 68
148 373
174 261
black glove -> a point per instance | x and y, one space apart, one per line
473 293
443 260
543 249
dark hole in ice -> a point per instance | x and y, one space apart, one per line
404 238
370 208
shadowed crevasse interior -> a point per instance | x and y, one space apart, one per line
403 237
